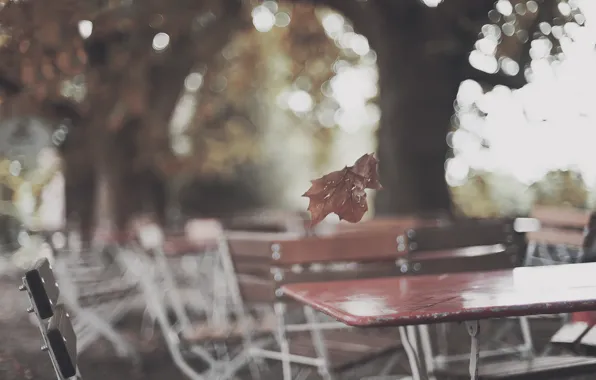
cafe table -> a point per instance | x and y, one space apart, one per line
462 297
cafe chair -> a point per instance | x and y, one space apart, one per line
555 235
198 330
519 361
466 245
579 336
96 292
60 340
576 335
264 262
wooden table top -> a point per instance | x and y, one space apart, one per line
411 300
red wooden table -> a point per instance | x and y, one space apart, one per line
465 297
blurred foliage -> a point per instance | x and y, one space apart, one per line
523 41
488 194
122 71
130 72
228 125
222 132
561 187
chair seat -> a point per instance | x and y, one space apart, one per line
537 368
587 344
91 299
469 259
570 334
202 332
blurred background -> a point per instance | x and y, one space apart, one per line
202 108
110 109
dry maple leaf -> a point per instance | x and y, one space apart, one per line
342 192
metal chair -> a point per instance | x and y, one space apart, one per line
60 340
465 245
97 292
512 355
555 235
266 261
148 259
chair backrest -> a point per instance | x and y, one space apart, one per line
457 234
43 288
62 341
286 249
197 235
289 257
559 226
367 253
589 243
53 319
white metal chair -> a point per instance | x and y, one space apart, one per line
97 293
220 310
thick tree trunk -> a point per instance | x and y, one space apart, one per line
416 104
420 68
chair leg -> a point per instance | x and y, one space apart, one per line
413 337
390 364
530 253
528 344
443 339
103 328
173 343
235 296
417 372
280 310
426 343
319 343
544 255
563 254
152 296
473 328
147 324
172 291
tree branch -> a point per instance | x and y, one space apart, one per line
513 82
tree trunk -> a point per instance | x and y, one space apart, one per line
421 65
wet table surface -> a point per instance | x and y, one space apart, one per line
399 301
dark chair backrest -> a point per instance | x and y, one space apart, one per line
368 252
559 226
54 322
458 234
292 249
286 257
589 243
62 342
43 288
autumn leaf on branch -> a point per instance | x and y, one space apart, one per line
342 192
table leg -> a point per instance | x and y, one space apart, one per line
473 328
417 371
